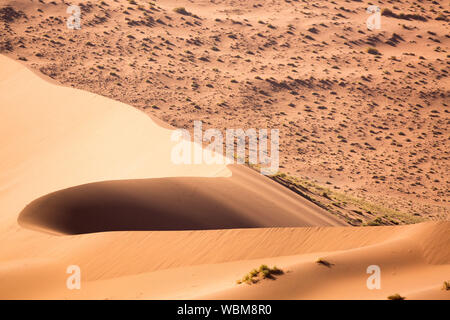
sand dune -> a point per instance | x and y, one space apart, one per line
54 138
73 163
406 265
206 264
173 204
82 138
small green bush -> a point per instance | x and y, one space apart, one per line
263 272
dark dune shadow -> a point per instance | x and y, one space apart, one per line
168 204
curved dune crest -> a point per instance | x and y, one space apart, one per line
241 201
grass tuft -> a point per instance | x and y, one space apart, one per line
396 297
263 272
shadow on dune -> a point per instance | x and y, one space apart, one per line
245 200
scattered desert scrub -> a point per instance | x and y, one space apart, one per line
396 297
406 16
9 14
263 272
446 285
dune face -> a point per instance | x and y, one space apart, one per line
406 263
173 204
185 264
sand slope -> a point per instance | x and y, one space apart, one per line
414 262
73 156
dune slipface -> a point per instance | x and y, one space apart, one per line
241 201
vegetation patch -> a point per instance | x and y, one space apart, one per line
355 211
396 297
404 16
9 14
263 272
373 50
182 10
324 262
